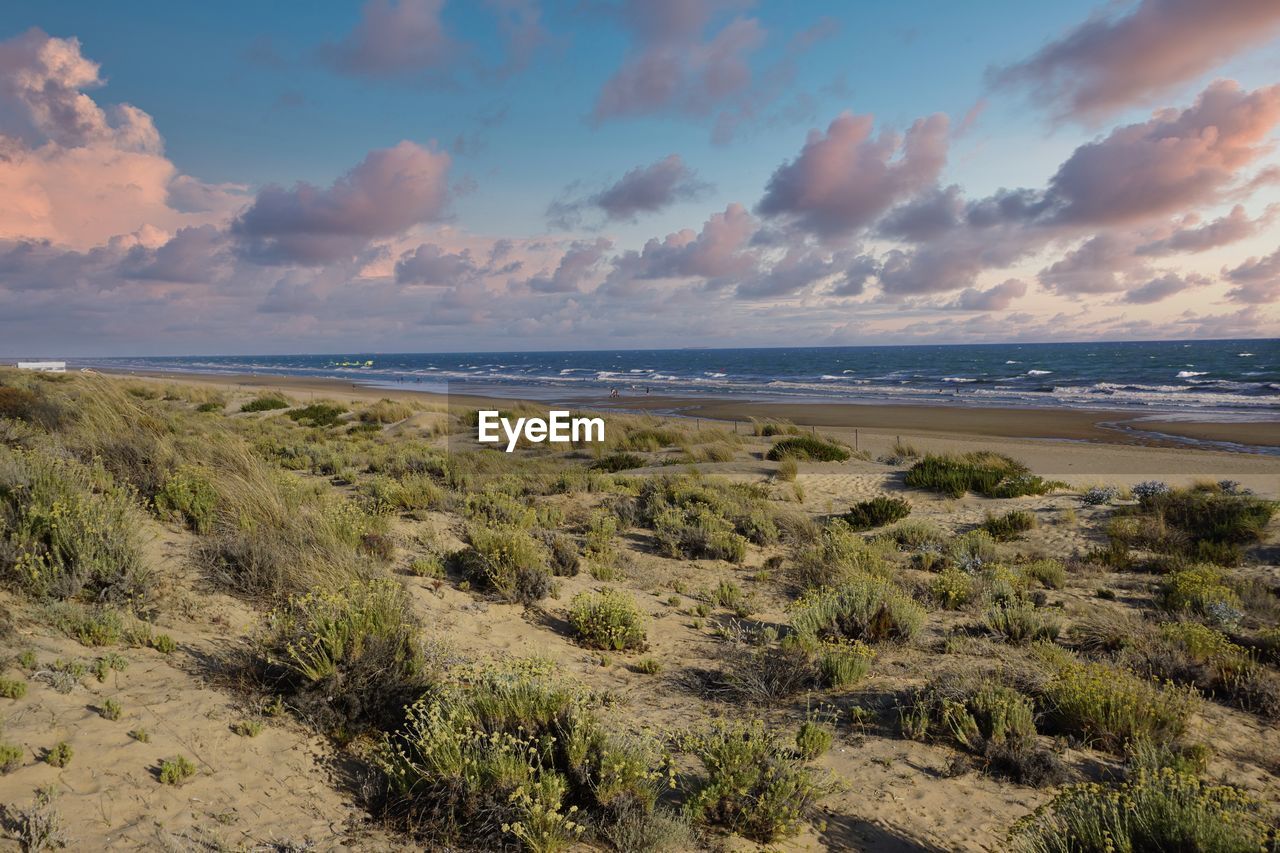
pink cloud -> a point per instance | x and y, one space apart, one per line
997 298
394 38
844 179
644 189
1193 237
1257 280
389 191
1176 161
674 66
1114 61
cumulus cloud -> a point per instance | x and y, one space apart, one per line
1257 280
1194 237
844 179
996 298
1114 60
431 264
1176 161
74 173
644 189
576 265
675 64
1162 287
389 191
394 38
720 249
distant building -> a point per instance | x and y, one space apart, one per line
44 366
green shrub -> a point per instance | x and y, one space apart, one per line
59 755
1161 810
350 658
385 412
813 739
807 447
877 512
265 403
990 474
248 728
515 759
1020 622
973 550
698 534
1010 525
842 663
188 494
1201 590
67 532
837 554
915 533
863 608
615 462
506 560
608 620
176 770
1195 654
692 516
12 688
91 626
1103 704
10 757
952 588
752 785
429 566
211 406
111 710
1050 573
318 414
164 644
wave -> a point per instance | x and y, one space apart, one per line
1187 374
1039 372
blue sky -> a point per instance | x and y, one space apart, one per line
243 96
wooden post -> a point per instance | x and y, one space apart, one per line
855 438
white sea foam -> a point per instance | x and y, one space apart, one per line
1039 372
1187 374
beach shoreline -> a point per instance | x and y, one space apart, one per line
1105 426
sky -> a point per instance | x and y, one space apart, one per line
439 175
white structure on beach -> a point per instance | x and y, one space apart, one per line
44 366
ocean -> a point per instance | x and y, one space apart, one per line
1240 378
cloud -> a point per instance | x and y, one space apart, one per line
644 189
430 264
1098 265
76 174
1163 287
1114 61
389 191
1193 237
394 38
997 298
675 65
579 261
719 250
844 179
929 214
1257 280
1174 162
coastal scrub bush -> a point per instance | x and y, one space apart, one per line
318 414
1201 590
59 755
188 494
348 658
972 551
989 474
1099 495
176 770
12 688
1196 654
813 739
615 462
952 588
1020 622
506 560
865 608
1154 810
807 447
1004 528
1100 703
1149 489
837 554
608 620
706 518
385 411
10 757
512 758
1050 573
67 531
876 512
753 785
265 403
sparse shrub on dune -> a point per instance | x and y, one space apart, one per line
752 784
615 462
771 428
67 531
318 414
914 533
188 494
507 561
972 551
1048 572
513 759
876 512
1104 705
1021 623
265 403
865 608
808 447
1201 590
349 658
386 411
1010 525
1207 525
1154 810
989 474
696 517
608 620
837 554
